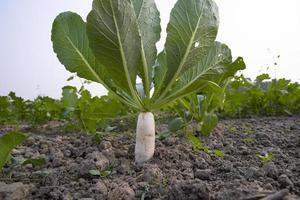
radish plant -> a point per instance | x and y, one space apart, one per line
117 45
203 106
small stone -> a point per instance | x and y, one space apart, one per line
271 170
169 141
226 167
293 127
14 191
81 181
122 191
200 163
203 174
104 145
124 166
186 165
99 188
30 141
152 174
251 173
188 173
269 187
56 157
119 153
67 153
244 150
191 189
100 161
285 181
77 143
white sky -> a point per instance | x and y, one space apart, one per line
257 30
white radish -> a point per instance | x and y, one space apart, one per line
145 137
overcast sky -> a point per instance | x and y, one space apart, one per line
257 30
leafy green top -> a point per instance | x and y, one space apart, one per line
118 44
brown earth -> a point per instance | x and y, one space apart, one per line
175 172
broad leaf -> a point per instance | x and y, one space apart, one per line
7 143
114 38
200 85
71 45
211 64
229 70
192 29
160 72
149 28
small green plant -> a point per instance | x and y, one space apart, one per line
248 140
102 174
199 146
34 162
173 126
233 130
88 111
262 97
203 107
266 158
8 142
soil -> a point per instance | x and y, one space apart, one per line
175 172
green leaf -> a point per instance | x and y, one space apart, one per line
176 124
8 142
266 158
110 128
263 77
148 21
69 97
102 174
160 72
114 39
70 78
95 172
105 173
230 70
71 45
210 121
219 153
163 135
35 162
200 85
192 29
196 142
212 62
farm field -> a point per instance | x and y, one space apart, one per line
179 121
177 171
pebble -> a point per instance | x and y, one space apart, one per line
152 173
271 170
285 181
122 191
67 153
105 145
99 160
99 188
203 174
251 173
14 191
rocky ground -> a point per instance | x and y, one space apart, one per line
175 172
